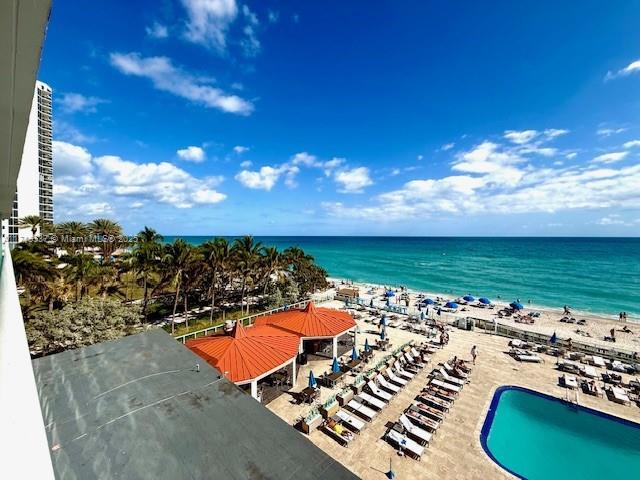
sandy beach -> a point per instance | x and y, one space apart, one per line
548 321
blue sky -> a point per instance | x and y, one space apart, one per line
347 118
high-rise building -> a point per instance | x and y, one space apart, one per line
34 193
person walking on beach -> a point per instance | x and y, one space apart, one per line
474 353
613 334
566 310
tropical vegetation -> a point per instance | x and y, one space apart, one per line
77 266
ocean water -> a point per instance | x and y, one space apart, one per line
540 438
597 275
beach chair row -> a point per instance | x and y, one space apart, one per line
415 428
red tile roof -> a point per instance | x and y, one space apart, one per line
249 352
311 321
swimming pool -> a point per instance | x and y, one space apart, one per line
536 436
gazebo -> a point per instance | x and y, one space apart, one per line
248 354
312 323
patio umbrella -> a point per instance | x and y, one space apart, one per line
553 339
388 303
516 305
468 298
422 316
427 301
484 301
382 335
312 380
451 305
367 348
354 353
389 293
335 368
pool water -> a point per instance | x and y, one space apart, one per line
535 436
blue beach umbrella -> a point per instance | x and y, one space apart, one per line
389 293
516 305
451 305
468 298
367 348
335 367
427 301
312 380
354 353
484 301
553 339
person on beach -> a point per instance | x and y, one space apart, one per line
613 334
566 310
474 353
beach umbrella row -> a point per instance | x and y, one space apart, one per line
451 305
468 298
484 301
427 301
516 305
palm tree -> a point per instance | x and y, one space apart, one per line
32 271
246 254
108 281
31 221
176 258
82 270
271 260
217 255
109 231
144 259
57 292
71 232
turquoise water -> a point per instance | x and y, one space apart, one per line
536 437
599 275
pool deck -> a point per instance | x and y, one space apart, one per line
455 450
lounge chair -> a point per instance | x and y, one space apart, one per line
428 411
618 395
414 431
418 355
372 401
350 421
402 372
359 409
337 431
413 361
390 387
588 371
441 404
443 373
455 372
376 392
447 386
405 444
409 367
529 358
569 381
441 393
422 420
598 362
395 379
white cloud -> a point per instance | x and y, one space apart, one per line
447 146
354 180
520 137
420 157
632 143
76 102
498 179
607 132
263 179
633 67
239 149
157 30
246 164
571 155
250 43
169 78
610 157
70 159
191 154
65 131
555 132
209 21
97 208
273 16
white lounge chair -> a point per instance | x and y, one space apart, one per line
406 444
376 392
358 408
619 395
402 372
416 354
355 424
528 358
447 386
589 371
443 373
452 371
373 401
395 379
569 381
409 358
598 361
386 385
422 435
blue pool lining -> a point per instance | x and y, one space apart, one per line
488 421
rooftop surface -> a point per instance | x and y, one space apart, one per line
310 321
138 408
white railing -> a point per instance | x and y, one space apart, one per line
24 448
248 320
